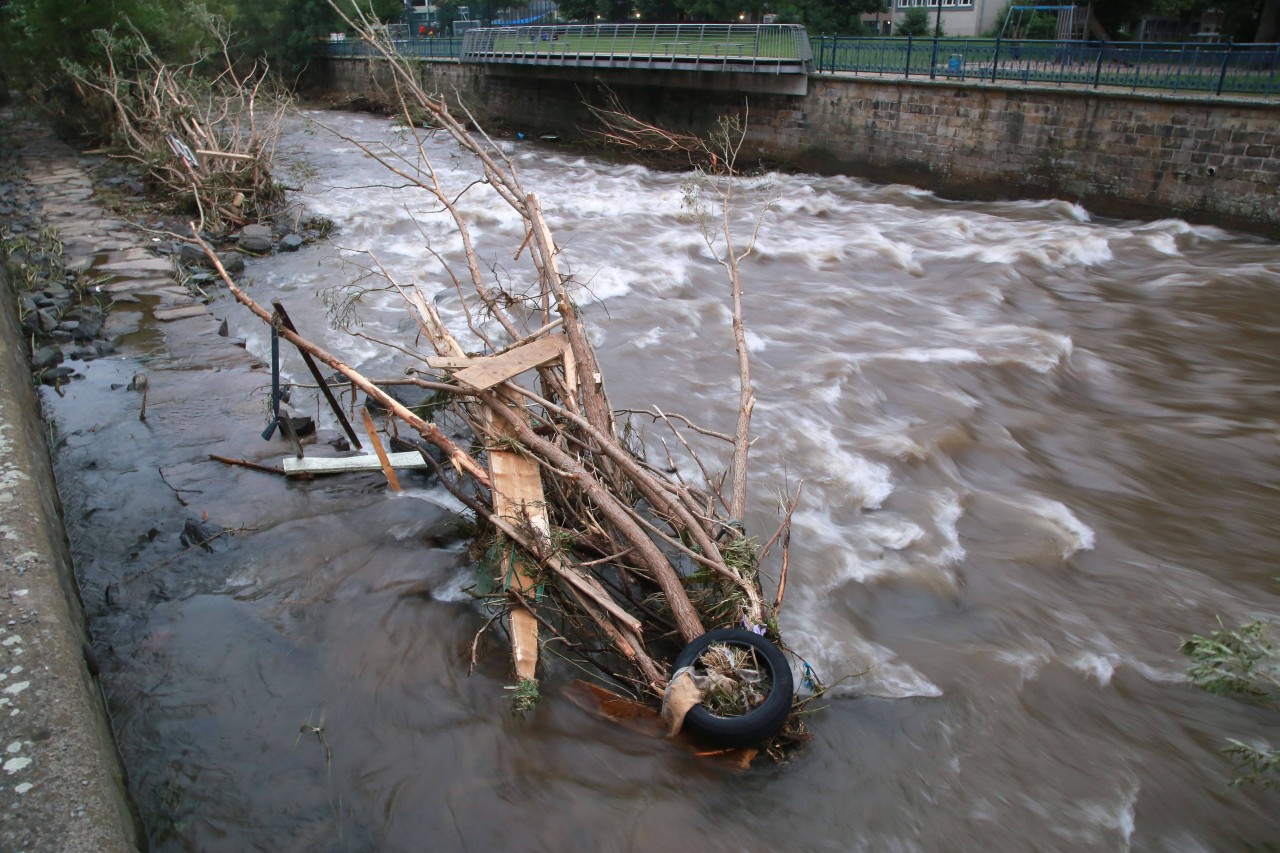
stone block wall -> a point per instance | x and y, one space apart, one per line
1122 155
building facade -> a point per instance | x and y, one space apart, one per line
959 17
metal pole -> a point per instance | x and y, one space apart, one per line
906 71
315 373
937 33
1226 60
1271 74
275 384
995 60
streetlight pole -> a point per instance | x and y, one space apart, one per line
937 22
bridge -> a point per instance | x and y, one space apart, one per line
777 58
774 58
763 49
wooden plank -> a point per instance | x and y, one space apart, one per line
185 312
378 449
490 370
524 644
518 498
451 362
571 376
351 464
517 485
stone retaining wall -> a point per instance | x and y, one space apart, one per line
1122 155
1133 156
61 784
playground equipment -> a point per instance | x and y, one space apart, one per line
1060 23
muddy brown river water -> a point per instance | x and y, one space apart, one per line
1039 450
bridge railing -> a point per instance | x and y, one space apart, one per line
1247 69
779 47
437 47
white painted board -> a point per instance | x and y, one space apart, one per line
346 464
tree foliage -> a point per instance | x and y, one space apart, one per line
918 21
1242 20
589 11
40 37
285 33
1024 25
841 17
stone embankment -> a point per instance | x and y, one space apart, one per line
61 783
65 265
75 283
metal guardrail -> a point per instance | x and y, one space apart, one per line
440 47
1243 69
769 48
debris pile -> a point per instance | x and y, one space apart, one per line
203 138
585 539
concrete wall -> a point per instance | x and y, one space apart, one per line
1145 157
61 784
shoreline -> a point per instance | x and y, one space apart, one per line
78 280
63 786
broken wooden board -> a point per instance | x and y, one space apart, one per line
388 471
486 371
349 464
451 362
518 498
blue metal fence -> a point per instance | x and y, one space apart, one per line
1240 69
439 47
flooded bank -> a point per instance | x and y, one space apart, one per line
1037 452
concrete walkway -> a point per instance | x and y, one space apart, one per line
62 786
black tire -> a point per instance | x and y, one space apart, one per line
763 721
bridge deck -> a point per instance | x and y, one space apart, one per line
738 48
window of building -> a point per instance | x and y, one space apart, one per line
933 4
